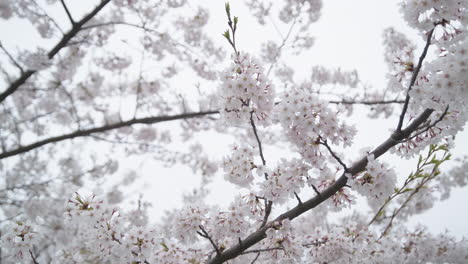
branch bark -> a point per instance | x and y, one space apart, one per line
62 43
375 102
413 79
87 132
300 209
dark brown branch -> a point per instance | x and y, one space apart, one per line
268 205
62 43
357 167
413 79
316 190
429 126
258 139
87 132
299 201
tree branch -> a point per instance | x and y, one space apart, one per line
325 143
429 125
357 167
87 132
261 250
375 102
62 43
11 58
68 12
33 258
258 139
207 236
413 79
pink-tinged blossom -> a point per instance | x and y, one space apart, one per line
423 14
284 181
238 167
245 91
188 222
36 61
338 201
18 239
377 183
283 237
308 121
399 56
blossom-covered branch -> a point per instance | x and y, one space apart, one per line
300 209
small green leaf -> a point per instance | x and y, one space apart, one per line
164 246
228 9
227 35
382 212
407 190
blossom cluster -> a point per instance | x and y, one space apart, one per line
441 83
238 167
376 184
399 54
246 92
20 237
37 60
343 198
283 236
308 121
94 232
423 14
446 78
284 181
188 222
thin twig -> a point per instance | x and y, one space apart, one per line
261 250
375 102
68 12
11 58
316 190
298 198
207 236
324 142
268 205
255 259
258 139
33 257
429 126
283 43
432 175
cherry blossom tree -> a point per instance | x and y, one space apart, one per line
101 76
